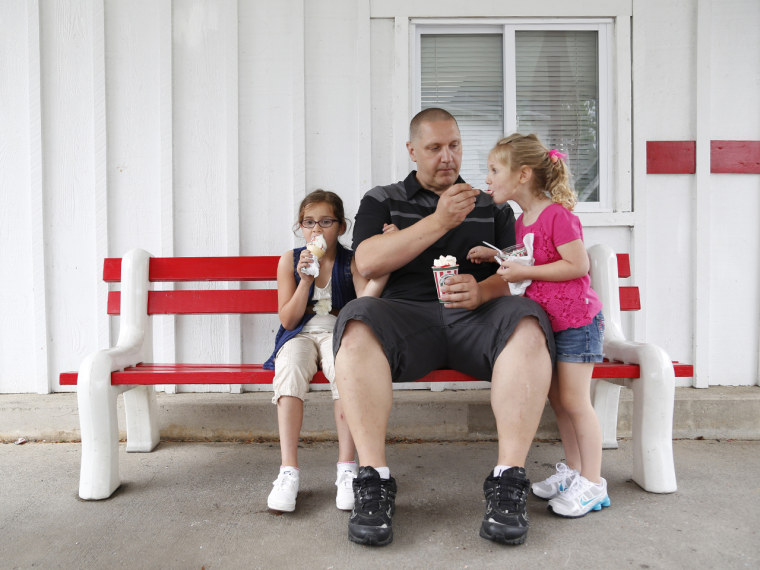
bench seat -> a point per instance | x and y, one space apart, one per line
147 374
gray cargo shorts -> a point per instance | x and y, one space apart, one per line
418 337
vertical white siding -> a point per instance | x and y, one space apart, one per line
337 78
272 141
74 155
734 205
24 334
664 68
205 119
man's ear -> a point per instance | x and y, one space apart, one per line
410 150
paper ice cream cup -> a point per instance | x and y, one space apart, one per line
518 250
440 274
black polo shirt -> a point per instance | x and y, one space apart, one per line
405 203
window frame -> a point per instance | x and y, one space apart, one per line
507 28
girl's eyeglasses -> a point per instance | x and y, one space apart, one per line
323 223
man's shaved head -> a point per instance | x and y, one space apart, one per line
428 115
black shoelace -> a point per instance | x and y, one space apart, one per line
372 495
509 493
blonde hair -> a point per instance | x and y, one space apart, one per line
550 173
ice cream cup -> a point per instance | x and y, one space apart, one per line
440 274
517 250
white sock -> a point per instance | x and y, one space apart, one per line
385 472
347 466
499 469
294 470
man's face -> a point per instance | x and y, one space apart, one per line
437 150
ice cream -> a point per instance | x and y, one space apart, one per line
445 261
317 246
443 268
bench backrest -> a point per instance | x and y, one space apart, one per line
243 269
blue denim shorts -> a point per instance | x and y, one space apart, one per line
584 344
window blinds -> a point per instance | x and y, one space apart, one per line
557 98
463 73
556 91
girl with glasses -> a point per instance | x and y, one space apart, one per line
307 307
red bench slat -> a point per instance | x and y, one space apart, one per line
629 299
260 268
151 374
194 302
255 301
624 265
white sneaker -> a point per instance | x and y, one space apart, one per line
581 497
556 484
344 499
283 495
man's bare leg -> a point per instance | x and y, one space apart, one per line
364 382
363 377
519 385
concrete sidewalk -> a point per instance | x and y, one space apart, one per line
203 505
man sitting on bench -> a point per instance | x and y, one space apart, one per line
477 328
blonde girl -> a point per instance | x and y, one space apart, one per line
522 169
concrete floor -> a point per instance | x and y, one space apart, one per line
203 505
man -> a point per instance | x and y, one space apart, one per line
479 329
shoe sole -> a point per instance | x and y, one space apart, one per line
495 532
370 539
549 498
345 506
281 507
597 507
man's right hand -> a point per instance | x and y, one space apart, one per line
454 204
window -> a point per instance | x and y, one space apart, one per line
548 79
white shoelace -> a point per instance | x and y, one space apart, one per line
577 488
563 472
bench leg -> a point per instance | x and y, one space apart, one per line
140 409
653 400
99 427
606 397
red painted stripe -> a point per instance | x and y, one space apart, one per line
735 157
671 157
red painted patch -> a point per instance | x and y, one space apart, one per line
671 157
735 157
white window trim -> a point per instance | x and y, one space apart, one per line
613 197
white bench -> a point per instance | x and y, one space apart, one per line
126 368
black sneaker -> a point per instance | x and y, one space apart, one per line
506 519
374 505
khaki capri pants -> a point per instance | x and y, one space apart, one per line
299 359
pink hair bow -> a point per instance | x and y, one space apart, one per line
554 154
